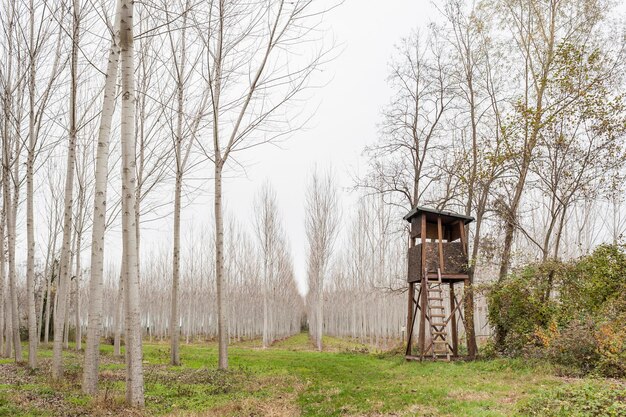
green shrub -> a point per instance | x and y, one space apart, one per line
588 285
575 348
611 339
520 305
573 313
581 400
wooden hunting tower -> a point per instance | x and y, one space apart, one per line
437 262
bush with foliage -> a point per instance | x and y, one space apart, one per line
574 348
573 314
611 336
588 285
519 306
590 399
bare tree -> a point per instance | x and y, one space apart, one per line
322 226
247 47
11 76
478 159
92 351
270 236
36 108
130 261
538 30
64 264
183 135
412 122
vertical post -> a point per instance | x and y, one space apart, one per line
466 282
423 301
440 244
409 317
410 299
462 235
453 325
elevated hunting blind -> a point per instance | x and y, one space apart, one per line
437 262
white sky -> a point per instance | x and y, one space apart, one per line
346 120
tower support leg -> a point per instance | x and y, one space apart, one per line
409 317
453 325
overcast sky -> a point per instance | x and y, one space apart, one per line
346 119
346 112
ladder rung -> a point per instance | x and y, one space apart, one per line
441 307
440 332
437 315
440 341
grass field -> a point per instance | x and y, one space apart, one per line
291 379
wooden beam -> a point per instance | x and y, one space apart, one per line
457 277
424 289
409 345
409 317
455 336
411 294
440 244
463 240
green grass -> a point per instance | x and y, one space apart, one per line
291 378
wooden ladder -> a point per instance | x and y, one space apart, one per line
437 315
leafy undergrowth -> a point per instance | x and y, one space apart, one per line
592 398
292 379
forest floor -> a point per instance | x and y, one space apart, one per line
292 379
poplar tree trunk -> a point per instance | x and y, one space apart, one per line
30 218
46 338
6 192
11 234
45 293
180 161
92 350
64 264
68 299
320 318
117 318
134 369
222 335
78 274
541 82
174 315
6 305
266 338
2 287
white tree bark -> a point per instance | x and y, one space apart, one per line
222 334
180 159
11 214
3 340
134 368
94 324
64 264
117 315
30 218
